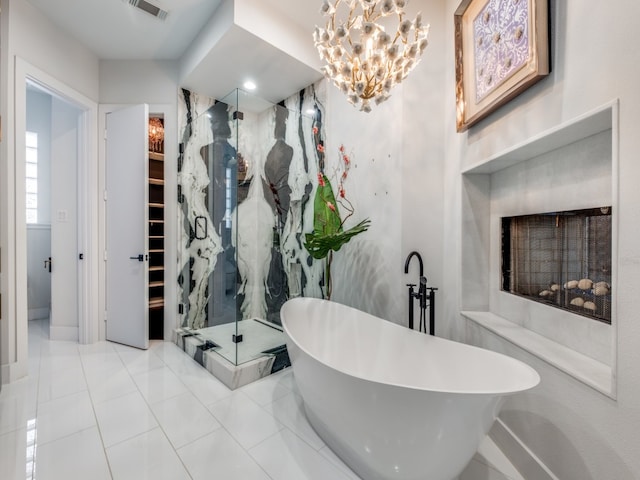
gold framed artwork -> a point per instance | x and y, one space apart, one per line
501 49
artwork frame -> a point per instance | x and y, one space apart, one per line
501 49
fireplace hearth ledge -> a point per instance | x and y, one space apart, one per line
593 373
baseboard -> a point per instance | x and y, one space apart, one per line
65 334
38 313
4 371
14 371
522 458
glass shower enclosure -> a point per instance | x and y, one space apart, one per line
240 225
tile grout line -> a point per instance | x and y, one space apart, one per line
153 413
254 458
35 450
93 408
128 372
222 426
123 367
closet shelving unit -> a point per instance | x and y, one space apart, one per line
156 245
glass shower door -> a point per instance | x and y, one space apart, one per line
243 182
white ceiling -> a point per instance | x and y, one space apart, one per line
114 30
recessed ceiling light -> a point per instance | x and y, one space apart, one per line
249 85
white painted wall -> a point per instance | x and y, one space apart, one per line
138 81
367 272
576 431
263 21
396 182
423 159
38 41
27 35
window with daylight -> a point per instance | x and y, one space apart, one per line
31 177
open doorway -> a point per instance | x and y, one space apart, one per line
71 109
52 141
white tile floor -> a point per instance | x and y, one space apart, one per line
106 411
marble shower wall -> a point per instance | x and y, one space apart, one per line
245 186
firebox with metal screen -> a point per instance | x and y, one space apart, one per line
562 259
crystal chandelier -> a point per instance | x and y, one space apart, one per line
369 48
156 135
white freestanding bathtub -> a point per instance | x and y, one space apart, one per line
394 403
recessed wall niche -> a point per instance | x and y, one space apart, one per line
572 167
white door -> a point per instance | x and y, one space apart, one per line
127 166
64 220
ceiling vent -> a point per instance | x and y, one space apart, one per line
149 8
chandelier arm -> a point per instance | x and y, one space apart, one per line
376 83
395 39
351 22
389 67
416 34
398 30
353 75
367 14
348 38
357 75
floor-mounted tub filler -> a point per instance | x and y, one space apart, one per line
391 402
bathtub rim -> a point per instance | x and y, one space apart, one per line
530 371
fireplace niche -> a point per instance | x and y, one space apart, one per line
570 170
561 259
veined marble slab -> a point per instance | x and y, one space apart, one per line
258 336
279 149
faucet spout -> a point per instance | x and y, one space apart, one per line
427 300
408 261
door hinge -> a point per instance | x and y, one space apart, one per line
180 159
180 196
180 308
105 133
105 256
104 195
105 315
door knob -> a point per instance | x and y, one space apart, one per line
47 264
140 258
